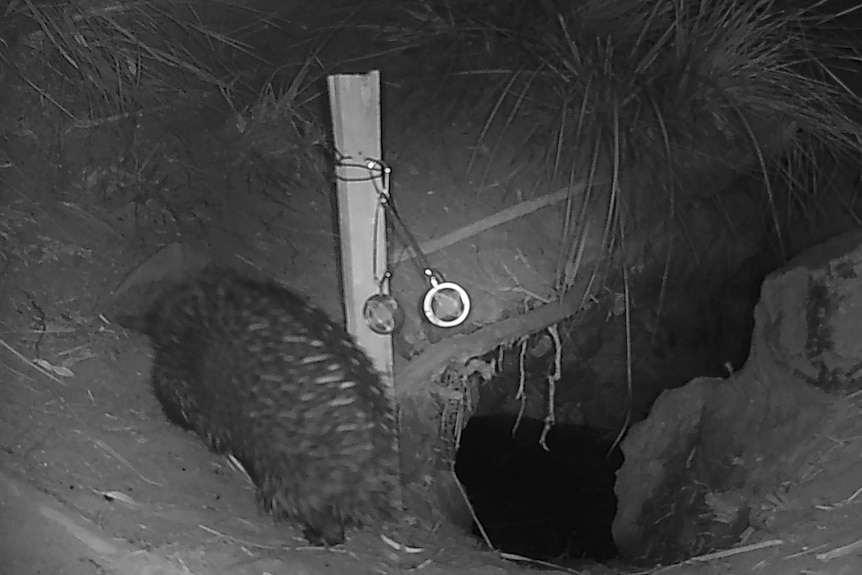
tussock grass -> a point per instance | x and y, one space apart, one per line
670 98
98 58
100 62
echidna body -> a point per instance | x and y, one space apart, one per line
259 373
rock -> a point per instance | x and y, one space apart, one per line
810 316
698 470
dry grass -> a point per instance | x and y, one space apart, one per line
94 59
669 98
95 63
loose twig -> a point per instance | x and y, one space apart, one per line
35 366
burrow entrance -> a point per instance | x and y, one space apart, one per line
558 501
554 502
710 462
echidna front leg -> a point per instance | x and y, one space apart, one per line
323 528
172 392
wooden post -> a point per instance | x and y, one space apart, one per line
355 104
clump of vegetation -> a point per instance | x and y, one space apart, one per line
667 99
103 66
95 59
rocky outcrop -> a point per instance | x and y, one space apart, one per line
712 455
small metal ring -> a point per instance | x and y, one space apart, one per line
428 303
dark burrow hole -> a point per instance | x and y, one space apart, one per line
553 505
558 505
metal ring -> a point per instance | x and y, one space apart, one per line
428 304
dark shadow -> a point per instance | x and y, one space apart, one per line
553 505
